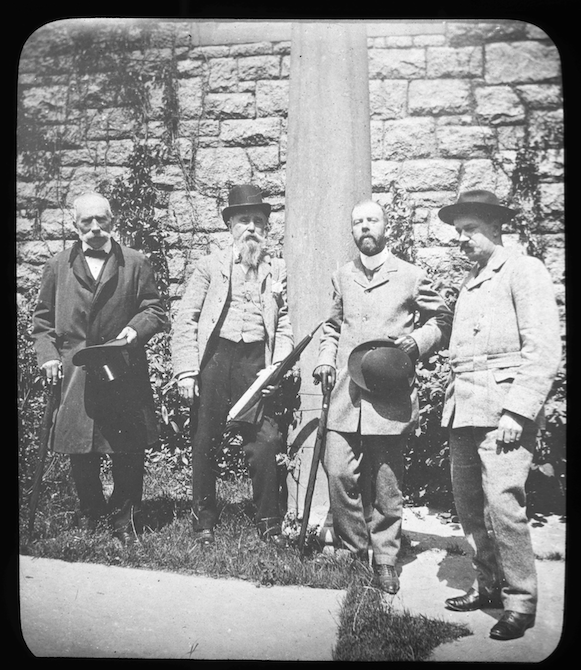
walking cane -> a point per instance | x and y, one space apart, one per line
317 453
43 449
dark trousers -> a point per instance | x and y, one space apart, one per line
231 368
127 470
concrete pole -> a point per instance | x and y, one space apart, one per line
328 170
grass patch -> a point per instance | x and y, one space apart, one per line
371 630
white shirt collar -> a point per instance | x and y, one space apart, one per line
373 262
106 247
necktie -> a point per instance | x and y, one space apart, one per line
96 253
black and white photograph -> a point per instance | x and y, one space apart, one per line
291 340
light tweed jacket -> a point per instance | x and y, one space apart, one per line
505 347
205 299
362 311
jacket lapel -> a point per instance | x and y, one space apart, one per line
497 260
109 274
381 276
80 268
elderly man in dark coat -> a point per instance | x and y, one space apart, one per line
92 293
505 351
375 296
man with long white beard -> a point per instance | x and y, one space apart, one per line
232 323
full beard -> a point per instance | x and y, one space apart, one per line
252 251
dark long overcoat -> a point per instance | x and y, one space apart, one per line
75 311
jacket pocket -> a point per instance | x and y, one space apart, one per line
503 375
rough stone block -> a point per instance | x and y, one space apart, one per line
510 137
383 173
264 158
58 224
270 183
220 169
254 49
285 65
541 96
223 74
409 138
45 104
28 277
211 51
259 67
481 173
514 62
388 98
439 96
498 105
376 133
465 141
281 47
272 97
250 132
450 62
395 41
546 128
38 252
190 94
552 197
230 105
474 32
554 259
170 176
24 228
429 175
397 63
189 211
112 123
429 40
191 67
433 199
552 165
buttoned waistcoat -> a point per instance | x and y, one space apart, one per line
73 312
206 298
505 346
398 301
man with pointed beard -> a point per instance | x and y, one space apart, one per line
232 323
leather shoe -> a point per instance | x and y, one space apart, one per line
204 537
474 600
512 625
387 578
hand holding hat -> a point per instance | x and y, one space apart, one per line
381 367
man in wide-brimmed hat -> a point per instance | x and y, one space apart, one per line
94 292
505 351
232 323
374 403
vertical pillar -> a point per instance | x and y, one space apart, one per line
328 170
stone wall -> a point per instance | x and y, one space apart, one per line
451 104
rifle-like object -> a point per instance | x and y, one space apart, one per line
317 453
43 449
270 376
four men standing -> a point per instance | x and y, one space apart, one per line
233 322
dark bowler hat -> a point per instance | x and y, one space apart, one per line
245 195
107 362
478 201
380 367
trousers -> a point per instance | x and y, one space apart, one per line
230 370
365 475
488 483
127 470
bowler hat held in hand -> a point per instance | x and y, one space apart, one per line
380 367
107 362
242 196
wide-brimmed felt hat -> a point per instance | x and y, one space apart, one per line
476 201
245 195
108 362
380 367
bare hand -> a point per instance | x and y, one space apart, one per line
128 333
53 371
325 375
510 428
188 388
409 346
271 388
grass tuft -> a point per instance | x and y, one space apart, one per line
371 630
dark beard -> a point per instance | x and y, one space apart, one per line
251 252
